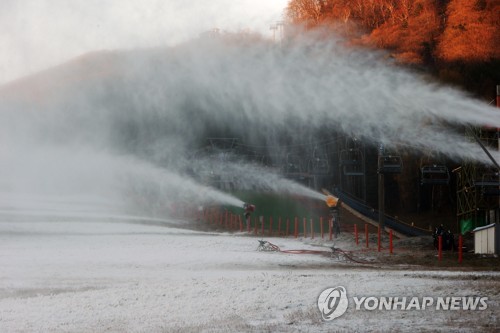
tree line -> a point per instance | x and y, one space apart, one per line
457 40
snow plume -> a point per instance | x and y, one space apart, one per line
246 175
158 106
76 181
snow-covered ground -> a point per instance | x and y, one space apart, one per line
119 275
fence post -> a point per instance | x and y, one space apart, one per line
255 225
311 222
241 223
287 226
305 226
279 226
262 224
270 226
321 227
296 232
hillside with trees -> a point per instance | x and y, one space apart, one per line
457 40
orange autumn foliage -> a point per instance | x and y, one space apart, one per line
472 31
414 30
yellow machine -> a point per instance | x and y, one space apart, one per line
331 200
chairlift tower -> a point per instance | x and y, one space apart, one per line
352 168
280 25
381 188
387 164
478 186
274 27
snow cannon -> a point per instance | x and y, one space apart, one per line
249 209
331 201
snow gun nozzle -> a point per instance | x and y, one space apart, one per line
331 201
249 208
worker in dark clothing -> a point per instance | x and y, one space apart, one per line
249 209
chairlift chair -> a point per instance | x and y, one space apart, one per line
292 164
391 164
319 164
352 162
434 175
489 184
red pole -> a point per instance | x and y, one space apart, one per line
356 234
296 232
390 241
440 248
255 225
287 226
241 223
378 236
460 244
305 227
321 227
262 224
279 226
226 217
270 226
311 222
366 234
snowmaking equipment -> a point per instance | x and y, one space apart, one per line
249 209
333 204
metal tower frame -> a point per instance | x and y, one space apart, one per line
471 183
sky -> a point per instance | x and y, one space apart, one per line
37 34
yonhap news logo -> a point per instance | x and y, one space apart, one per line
333 303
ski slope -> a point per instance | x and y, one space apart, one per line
95 275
